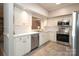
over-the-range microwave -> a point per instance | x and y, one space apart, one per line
61 23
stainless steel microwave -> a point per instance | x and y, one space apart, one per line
60 23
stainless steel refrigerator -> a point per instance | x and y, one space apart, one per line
75 33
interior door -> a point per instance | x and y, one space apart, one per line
1 29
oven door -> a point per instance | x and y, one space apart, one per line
63 38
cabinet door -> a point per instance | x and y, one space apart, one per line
43 38
52 36
22 45
46 36
28 43
18 46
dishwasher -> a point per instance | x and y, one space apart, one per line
34 41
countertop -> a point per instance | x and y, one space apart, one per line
23 34
29 33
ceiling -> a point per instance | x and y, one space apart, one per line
54 6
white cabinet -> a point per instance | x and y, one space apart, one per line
43 38
22 45
52 36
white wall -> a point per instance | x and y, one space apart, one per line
34 8
64 11
8 29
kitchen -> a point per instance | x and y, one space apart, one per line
38 29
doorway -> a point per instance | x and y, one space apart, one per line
1 30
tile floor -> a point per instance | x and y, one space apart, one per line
52 49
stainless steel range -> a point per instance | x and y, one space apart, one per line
63 31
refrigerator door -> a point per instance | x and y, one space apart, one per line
74 15
75 33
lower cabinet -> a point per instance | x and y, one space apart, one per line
43 38
22 45
52 36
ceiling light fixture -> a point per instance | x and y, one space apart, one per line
58 3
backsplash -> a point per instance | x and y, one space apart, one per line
51 28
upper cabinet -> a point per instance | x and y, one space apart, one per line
22 21
36 23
